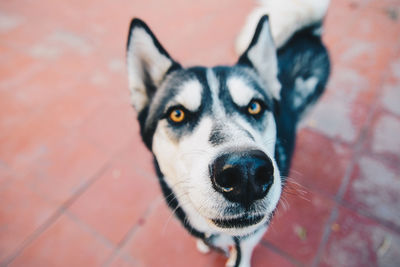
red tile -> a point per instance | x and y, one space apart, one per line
359 49
341 14
33 22
263 256
390 94
9 22
38 116
30 121
389 8
140 157
14 65
120 197
61 170
383 136
21 213
357 241
212 36
369 30
121 261
6 175
374 188
162 235
64 243
319 163
297 230
338 114
112 126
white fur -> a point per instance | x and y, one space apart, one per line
223 242
263 57
241 93
143 53
232 257
247 246
286 17
304 88
213 84
202 247
190 95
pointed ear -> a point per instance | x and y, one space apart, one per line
261 56
148 63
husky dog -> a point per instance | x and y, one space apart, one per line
223 137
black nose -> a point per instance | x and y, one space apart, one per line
242 176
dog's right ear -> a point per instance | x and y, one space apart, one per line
148 63
261 56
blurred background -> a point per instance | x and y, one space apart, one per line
77 186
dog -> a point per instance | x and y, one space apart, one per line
223 137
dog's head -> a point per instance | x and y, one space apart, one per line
212 130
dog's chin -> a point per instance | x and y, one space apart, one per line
241 225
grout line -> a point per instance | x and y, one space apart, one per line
89 229
358 149
334 140
131 233
335 209
389 225
64 206
56 215
342 189
325 236
107 242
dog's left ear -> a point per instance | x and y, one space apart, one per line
148 63
261 56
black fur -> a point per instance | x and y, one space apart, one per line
216 136
238 251
304 55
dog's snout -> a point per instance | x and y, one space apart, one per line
242 176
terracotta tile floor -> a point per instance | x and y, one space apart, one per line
77 187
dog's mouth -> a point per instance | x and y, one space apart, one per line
240 222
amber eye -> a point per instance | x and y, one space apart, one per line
254 107
177 115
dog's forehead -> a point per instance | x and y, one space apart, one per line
184 87
188 94
237 83
198 88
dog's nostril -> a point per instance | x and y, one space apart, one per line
227 179
263 174
263 178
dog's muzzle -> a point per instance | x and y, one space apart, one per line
242 176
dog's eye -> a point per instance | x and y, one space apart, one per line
255 107
176 115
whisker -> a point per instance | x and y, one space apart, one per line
172 214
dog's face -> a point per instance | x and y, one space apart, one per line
212 130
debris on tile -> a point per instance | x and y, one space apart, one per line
392 13
384 246
335 227
301 232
